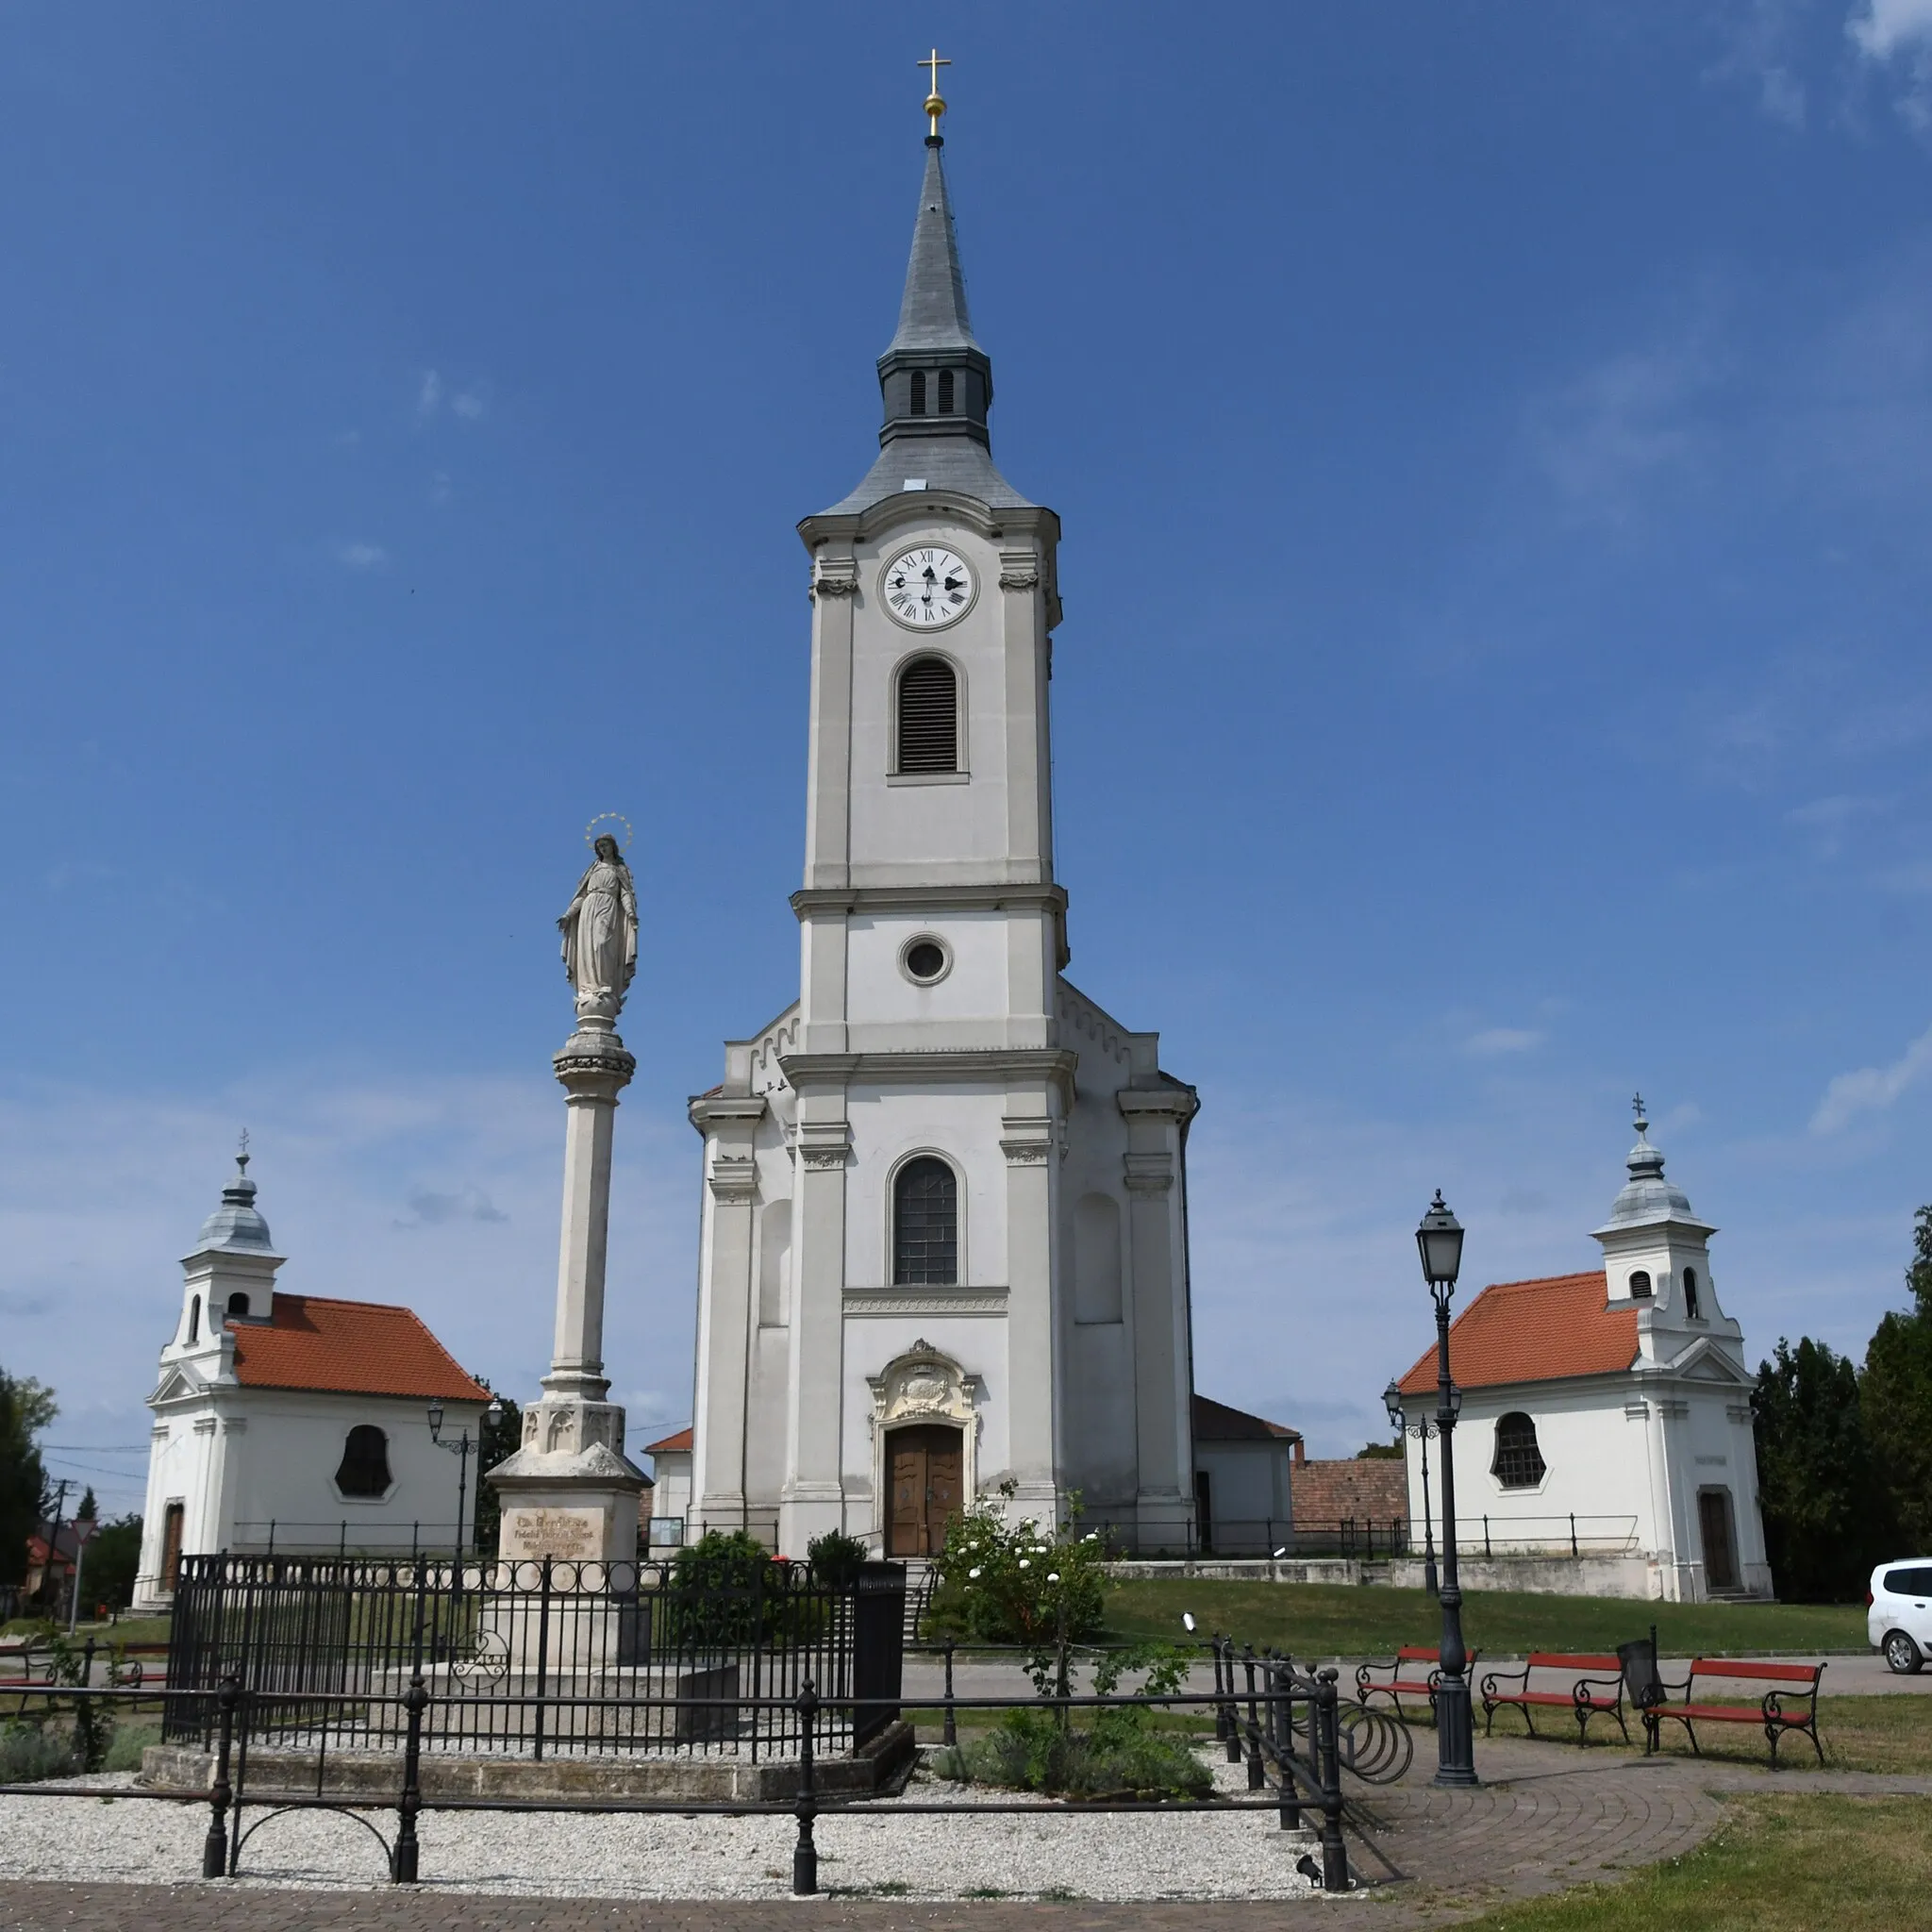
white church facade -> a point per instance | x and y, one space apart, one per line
945 1241
290 1422
1605 1417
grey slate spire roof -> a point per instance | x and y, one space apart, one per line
932 312
934 379
237 1225
1646 1199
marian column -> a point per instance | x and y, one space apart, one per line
570 1490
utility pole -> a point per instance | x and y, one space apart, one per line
54 1538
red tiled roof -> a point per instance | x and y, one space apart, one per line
1371 1487
354 1348
1215 1421
1534 1331
670 1445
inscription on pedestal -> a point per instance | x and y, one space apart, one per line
528 1534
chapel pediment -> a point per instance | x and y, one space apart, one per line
177 1385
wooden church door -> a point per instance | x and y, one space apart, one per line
926 1489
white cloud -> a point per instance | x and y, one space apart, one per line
1761 53
470 403
430 395
1495 1039
1825 822
468 1203
1912 878
1871 1090
361 556
1882 28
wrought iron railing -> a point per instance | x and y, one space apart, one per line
531 1658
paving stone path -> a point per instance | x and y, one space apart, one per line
1547 1818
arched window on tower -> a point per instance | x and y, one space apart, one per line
238 1303
945 391
1691 1306
919 392
1640 1285
194 1318
1519 1463
364 1469
928 716
926 1223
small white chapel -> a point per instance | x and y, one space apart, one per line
293 1422
1606 1417
945 1223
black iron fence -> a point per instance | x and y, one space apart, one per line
1252 1537
532 1658
1289 1726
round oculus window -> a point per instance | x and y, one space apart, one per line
926 961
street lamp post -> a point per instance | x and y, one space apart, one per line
1440 1242
1422 1431
460 1447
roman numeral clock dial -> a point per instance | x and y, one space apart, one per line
926 587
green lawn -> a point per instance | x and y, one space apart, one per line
1314 1620
128 1630
1785 1863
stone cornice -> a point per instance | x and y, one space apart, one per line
835 1070
1178 1104
934 898
845 528
708 1109
925 1301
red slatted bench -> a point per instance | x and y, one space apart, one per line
1769 1711
1402 1680
1596 1691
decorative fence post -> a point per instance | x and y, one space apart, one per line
951 1734
805 1855
1328 1760
1225 1719
214 1850
1256 1777
1281 1707
414 1701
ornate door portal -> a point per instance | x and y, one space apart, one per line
924 1464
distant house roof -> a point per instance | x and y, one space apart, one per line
671 1445
351 1348
1534 1331
1215 1421
1373 1489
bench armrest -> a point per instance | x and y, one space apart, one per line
1493 1678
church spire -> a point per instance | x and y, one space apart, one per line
935 380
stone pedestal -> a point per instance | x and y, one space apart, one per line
570 1491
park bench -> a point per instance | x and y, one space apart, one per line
1596 1691
1404 1678
1769 1711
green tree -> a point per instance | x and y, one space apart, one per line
114 1560
25 1409
1827 1515
1379 1452
495 1441
1896 1394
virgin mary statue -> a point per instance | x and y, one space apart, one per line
600 933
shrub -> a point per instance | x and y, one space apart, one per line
131 1741
835 1559
1120 1752
1017 1583
722 1592
29 1753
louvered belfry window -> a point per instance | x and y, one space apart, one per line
919 392
945 391
929 717
926 1223
1519 1463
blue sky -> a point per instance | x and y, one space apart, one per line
1495 445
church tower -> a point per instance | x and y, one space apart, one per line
944 1239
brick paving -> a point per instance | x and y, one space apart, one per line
1548 1818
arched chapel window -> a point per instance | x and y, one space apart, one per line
919 392
238 1303
1519 1463
945 391
364 1469
195 1318
926 1223
1691 1306
1640 1285
928 716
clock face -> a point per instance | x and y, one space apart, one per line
926 587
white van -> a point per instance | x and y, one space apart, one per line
1899 1618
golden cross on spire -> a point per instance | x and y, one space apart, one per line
935 106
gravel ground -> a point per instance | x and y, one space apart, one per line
1122 1855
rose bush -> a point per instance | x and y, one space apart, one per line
1003 1582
